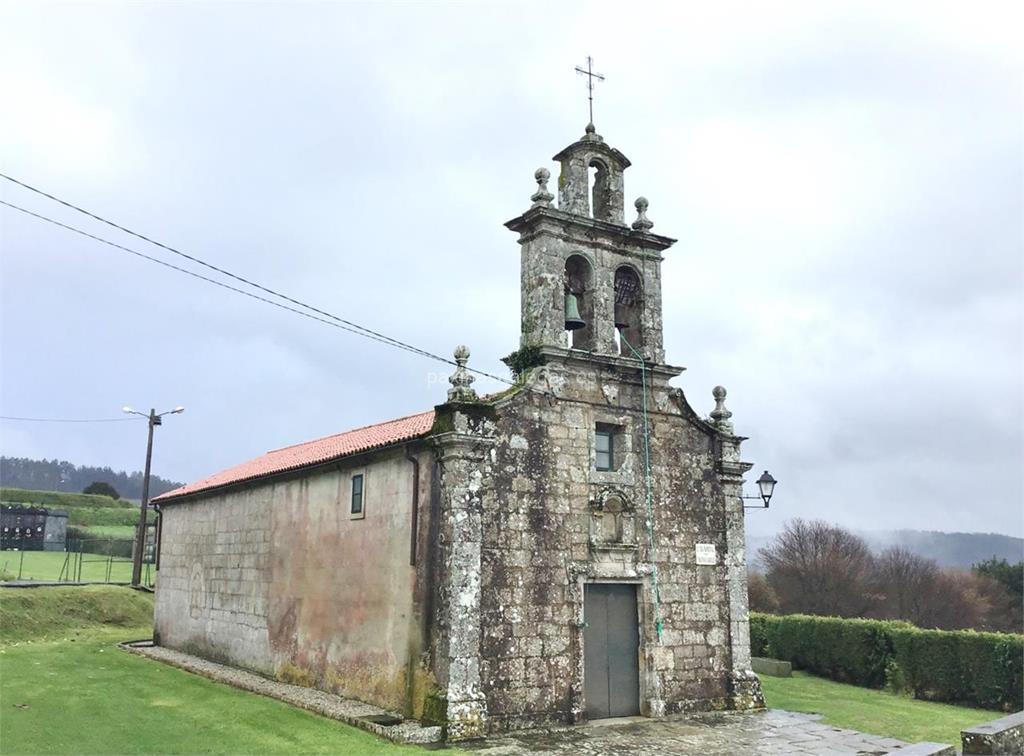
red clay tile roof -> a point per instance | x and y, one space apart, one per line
312 453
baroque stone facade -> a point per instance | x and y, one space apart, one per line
592 471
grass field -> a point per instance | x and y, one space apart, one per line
80 694
47 565
66 689
872 711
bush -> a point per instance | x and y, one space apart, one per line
980 669
100 488
759 634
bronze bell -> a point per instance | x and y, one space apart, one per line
573 321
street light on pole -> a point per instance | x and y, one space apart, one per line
154 419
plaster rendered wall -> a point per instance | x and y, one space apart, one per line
281 579
543 541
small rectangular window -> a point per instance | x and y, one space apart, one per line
357 494
604 445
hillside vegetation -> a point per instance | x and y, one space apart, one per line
815 567
61 499
959 550
54 475
90 517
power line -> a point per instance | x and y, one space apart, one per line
358 328
68 420
334 321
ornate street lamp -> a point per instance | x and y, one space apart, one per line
766 487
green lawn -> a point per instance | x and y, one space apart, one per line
87 696
47 565
872 711
77 693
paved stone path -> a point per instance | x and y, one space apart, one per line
769 732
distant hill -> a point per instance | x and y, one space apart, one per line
948 549
54 475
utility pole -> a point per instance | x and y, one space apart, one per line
154 419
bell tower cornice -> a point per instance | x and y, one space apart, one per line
579 228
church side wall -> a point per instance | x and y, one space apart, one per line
282 579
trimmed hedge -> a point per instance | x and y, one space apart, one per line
980 669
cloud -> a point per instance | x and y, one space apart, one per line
845 181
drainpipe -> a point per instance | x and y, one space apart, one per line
415 504
658 623
159 534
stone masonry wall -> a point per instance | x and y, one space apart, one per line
544 537
213 587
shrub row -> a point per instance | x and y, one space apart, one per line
60 499
980 669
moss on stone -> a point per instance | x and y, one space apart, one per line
435 709
523 359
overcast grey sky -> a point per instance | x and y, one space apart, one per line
845 181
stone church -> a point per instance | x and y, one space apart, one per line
569 549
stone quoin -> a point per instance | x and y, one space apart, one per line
569 549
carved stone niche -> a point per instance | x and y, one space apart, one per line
612 521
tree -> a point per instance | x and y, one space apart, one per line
958 600
817 568
1006 593
906 582
761 596
101 489
57 475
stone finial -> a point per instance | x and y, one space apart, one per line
591 135
720 415
642 222
461 379
542 197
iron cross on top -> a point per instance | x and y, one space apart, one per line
589 73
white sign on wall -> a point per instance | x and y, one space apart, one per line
707 554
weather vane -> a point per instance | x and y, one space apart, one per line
589 73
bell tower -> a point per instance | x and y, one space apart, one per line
589 281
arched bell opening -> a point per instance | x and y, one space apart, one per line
579 303
600 185
628 310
